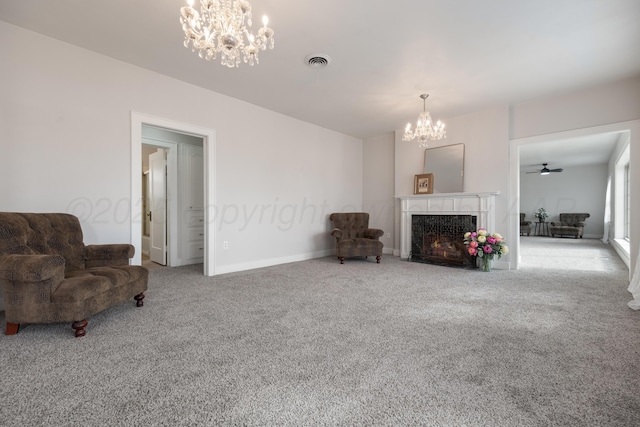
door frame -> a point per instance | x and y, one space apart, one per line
208 145
514 174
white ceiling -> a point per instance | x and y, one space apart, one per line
467 54
586 150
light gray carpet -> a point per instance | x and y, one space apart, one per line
319 343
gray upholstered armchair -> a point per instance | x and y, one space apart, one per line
354 237
525 226
570 224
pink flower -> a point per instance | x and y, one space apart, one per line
491 240
473 244
487 249
474 234
473 252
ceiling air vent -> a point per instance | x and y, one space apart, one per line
317 60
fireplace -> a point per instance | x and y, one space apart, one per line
478 205
438 239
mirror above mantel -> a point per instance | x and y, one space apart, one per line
446 163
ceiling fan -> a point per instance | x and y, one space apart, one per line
546 171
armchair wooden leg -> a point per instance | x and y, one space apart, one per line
139 298
378 259
12 328
79 326
341 258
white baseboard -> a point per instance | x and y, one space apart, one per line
501 265
592 236
622 248
272 261
283 260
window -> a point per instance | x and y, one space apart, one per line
622 205
627 202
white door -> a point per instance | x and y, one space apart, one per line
158 207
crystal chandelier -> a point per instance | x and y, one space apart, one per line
425 128
220 27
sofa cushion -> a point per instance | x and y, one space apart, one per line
135 272
81 288
115 276
119 275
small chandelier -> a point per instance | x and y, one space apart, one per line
425 129
219 27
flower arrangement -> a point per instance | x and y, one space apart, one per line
541 214
484 246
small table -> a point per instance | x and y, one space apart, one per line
542 228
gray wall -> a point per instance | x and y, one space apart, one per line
65 144
378 186
576 189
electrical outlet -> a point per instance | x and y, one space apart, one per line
225 245
388 235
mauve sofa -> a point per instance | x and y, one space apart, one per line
48 275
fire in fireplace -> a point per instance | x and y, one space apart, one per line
438 239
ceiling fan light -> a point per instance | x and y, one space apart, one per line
544 172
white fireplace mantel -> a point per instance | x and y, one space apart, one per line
482 205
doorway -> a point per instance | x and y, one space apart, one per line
175 197
546 142
138 121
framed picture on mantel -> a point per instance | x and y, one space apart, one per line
423 184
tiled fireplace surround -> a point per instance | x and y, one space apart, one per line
481 205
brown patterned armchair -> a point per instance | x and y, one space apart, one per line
570 224
525 226
48 275
354 237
